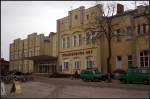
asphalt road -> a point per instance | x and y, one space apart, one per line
102 84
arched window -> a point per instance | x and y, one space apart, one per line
65 64
144 59
77 63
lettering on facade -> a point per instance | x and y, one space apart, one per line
77 53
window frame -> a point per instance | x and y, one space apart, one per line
76 17
129 33
77 63
130 61
143 61
89 62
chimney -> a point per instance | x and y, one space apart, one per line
120 8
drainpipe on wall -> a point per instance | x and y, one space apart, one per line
149 38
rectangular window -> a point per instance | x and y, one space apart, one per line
119 58
87 38
141 29
130 60
87 16
76 17
147 27
68 42
80 39
138 29
129 33
144 28
144 57
89 62
72 41
63 43
77 63
93 37
75 40
118 35
66 65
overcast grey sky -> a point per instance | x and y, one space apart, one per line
20 18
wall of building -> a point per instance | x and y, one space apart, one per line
81 20
72 42
71 51
33 45
126 46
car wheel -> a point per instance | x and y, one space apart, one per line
91 80
87 80
145 82
98 80
83 79
124 81
104 78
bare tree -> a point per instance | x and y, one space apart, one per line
104 27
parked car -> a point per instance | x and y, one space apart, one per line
92 75
136 75
117 73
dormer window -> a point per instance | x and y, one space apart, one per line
76 17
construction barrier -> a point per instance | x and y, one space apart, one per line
16 88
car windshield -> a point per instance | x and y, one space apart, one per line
131 71
138 71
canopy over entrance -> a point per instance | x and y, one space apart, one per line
42 58
44 63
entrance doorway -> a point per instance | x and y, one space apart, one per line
119 62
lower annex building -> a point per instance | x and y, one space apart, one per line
36 53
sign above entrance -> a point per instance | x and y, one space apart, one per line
78 53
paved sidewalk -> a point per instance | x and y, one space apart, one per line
96 92
32 90
63 90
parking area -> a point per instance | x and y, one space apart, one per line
43 87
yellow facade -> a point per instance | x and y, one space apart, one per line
33 45
125 52
75 46
129 45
